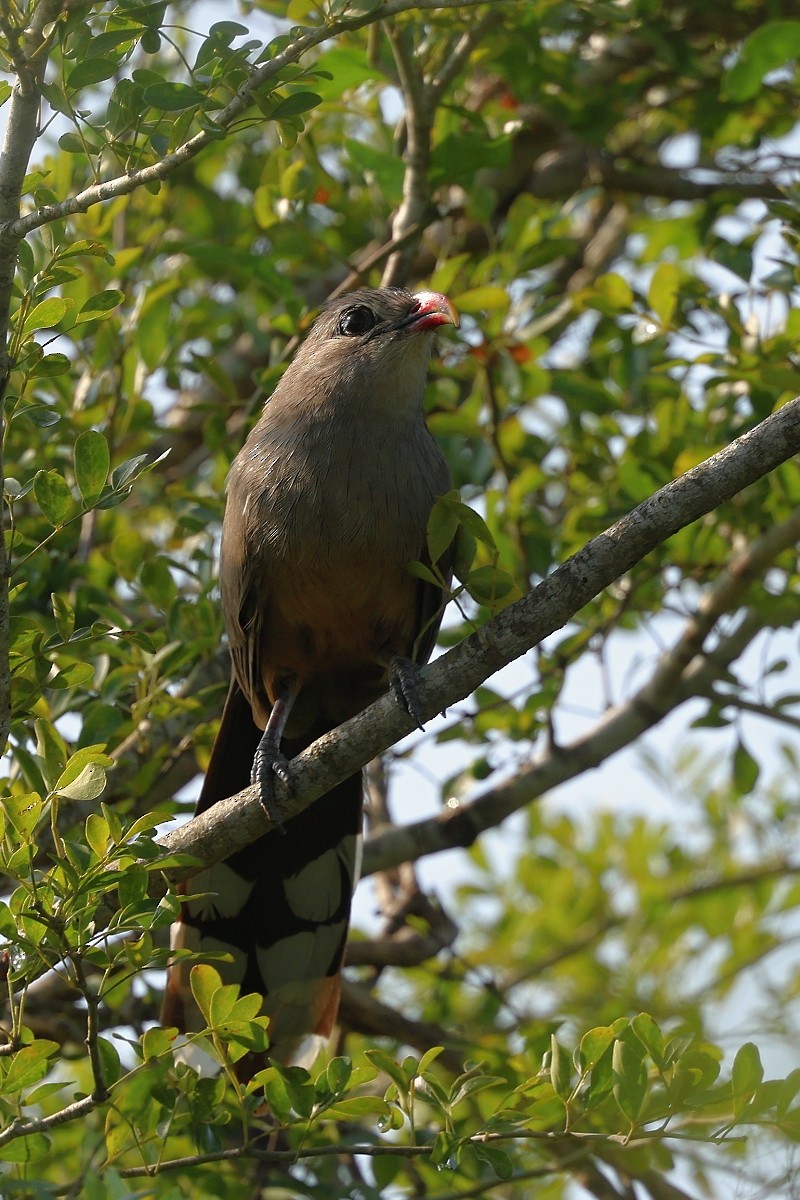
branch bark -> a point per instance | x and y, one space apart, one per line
232 824
422 97
414 209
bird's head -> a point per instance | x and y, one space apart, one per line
376 342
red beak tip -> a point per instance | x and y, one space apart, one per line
436 309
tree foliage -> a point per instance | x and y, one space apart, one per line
605 191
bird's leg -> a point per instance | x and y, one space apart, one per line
269 760
403 682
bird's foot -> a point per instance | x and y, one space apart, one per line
267 764
403 682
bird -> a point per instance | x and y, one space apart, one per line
327 506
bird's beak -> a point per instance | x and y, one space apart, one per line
434 309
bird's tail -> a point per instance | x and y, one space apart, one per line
280 908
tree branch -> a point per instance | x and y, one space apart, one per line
123 185
28 50
232 824
422 97
415 205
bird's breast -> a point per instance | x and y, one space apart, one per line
342 494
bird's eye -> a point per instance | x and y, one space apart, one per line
356 320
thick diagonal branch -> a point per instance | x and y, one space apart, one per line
232 824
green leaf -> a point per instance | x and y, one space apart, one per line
204 982
28 1065
86 246
300 1089
70 143
26 1149
172 97
746 1075
226 31
46 314
482 299
91 71
222 1003
420 571
42 1093
459 156
8 926
348 67
301 10
298 102
49 366
53 497
99 305
51 747
113 38
384 1167
87 785
474 1084
593 1046
385 1063
429 1057
109 1060
131 469
96 830
151 15
662 295
465 548
22 811
337 1074
491 587
151 41
616 290
155 1042
92 462
158 583
630 1078
560 1073
64 614
473 523
84 776
650 1036
771 46
497 1159
275 1092
442 525
76 674
745 769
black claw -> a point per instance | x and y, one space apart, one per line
266 765
280 767
403 682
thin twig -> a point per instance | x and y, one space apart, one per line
100 1089
20 1128
458 58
